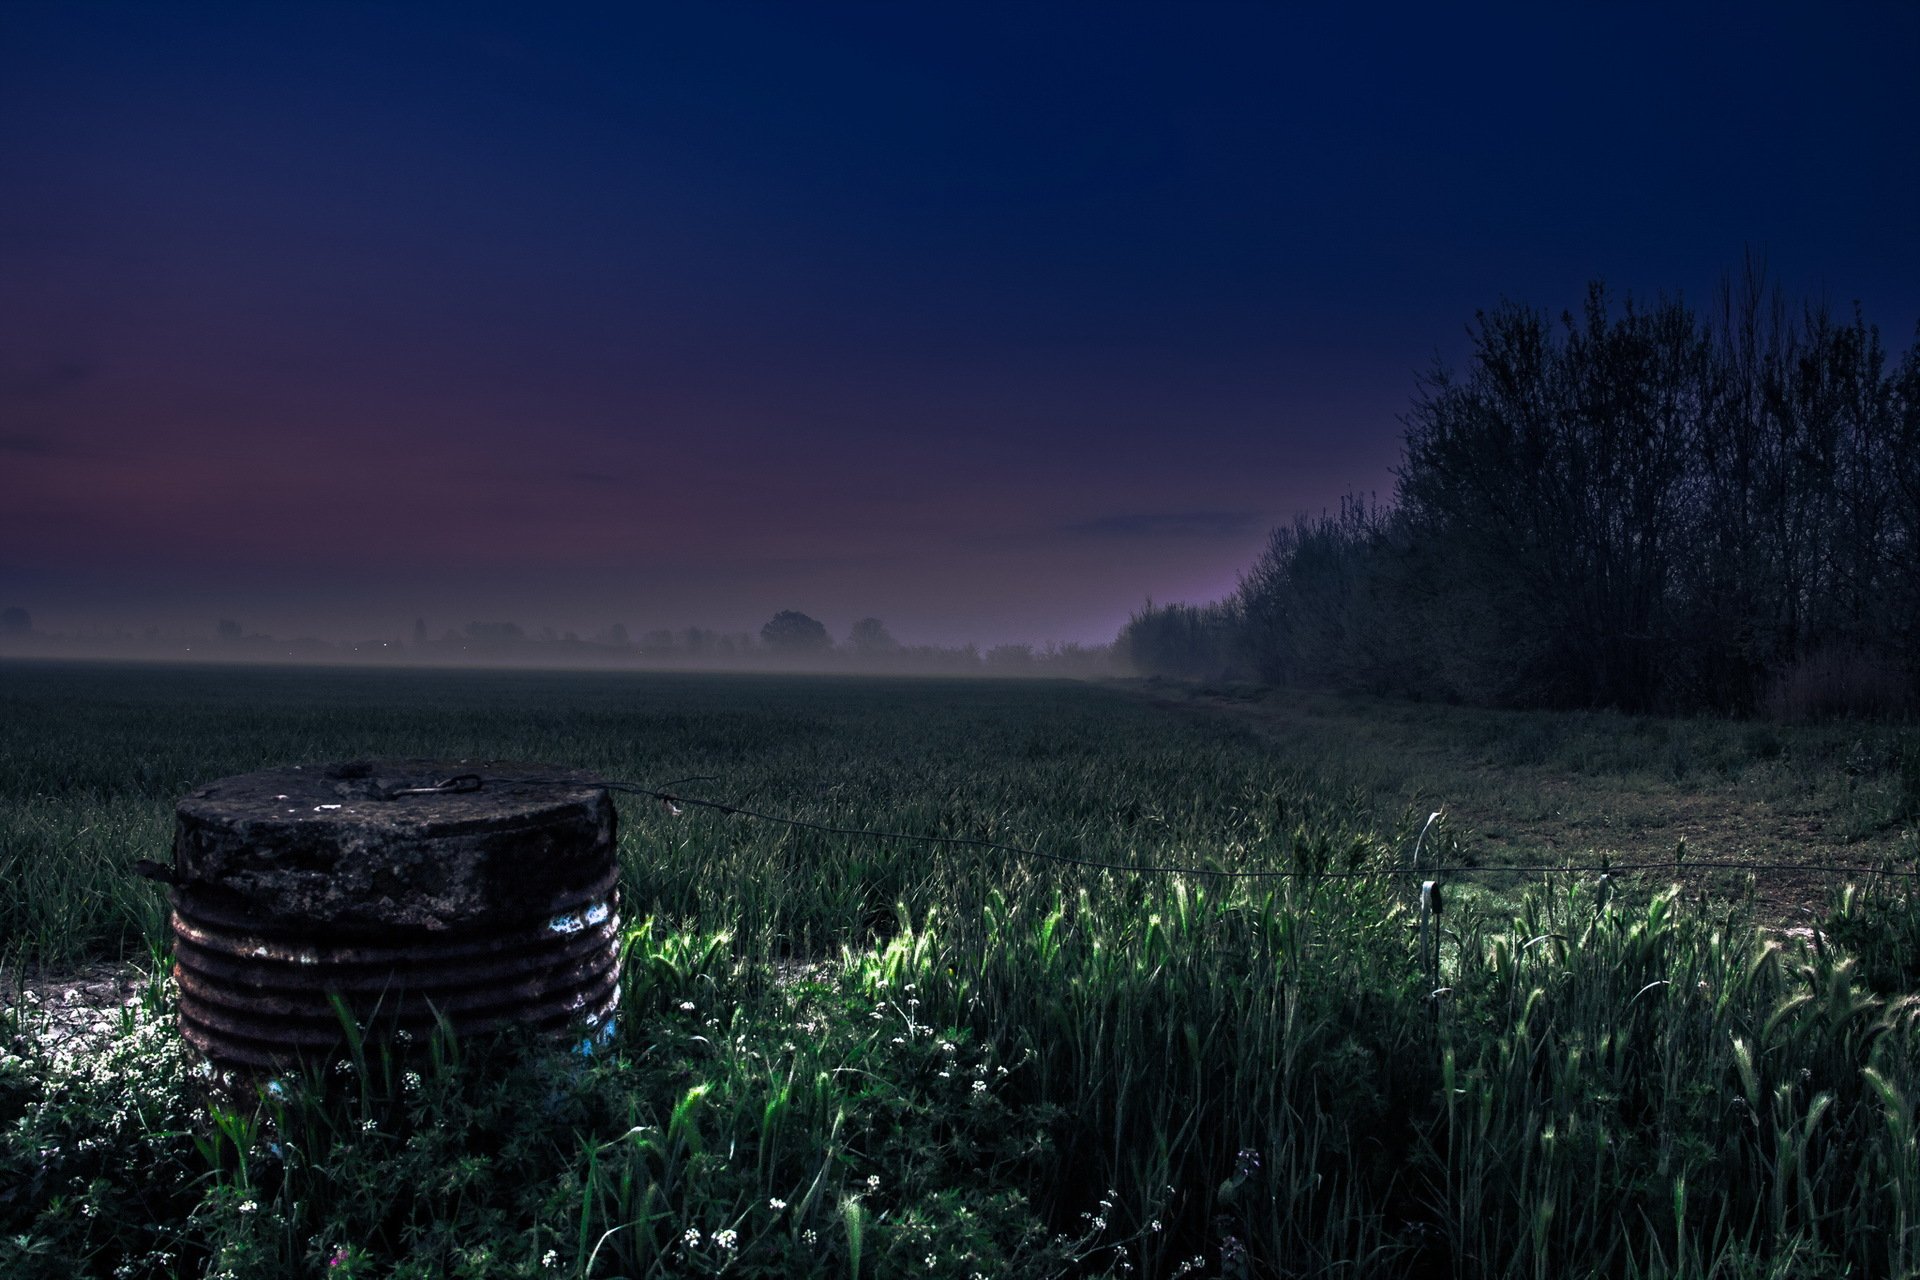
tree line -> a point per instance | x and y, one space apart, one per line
1641 507
789 640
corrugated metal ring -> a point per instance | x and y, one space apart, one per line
252 996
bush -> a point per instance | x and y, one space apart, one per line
1840 681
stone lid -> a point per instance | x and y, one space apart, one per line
385 844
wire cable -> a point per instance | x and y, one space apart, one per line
466 782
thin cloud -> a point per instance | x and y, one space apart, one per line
1167 524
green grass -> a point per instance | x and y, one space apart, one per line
1529 787
841 1057
92 760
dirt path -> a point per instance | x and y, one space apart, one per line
1412 760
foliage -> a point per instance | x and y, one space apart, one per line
838 1057
727 1131
790 631
1635 507
1184 641
870 636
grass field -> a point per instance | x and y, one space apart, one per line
844 1056
1520 787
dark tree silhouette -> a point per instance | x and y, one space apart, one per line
1633 506
870 637
791 631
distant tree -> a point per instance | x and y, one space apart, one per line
615 635
15 621
1010 659
1191 642
657 642
228 629
1630 506
697 640
419 633
1311 607
499 633
793 632
1553 482
870 637
1074 659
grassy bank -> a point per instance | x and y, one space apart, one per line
843 1057
1529 787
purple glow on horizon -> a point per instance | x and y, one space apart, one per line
330 319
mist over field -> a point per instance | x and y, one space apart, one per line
790 641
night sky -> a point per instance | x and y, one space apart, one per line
989 321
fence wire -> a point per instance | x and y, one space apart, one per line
676 801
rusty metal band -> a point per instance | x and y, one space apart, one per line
250 998
243 972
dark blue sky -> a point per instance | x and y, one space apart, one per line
988 320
